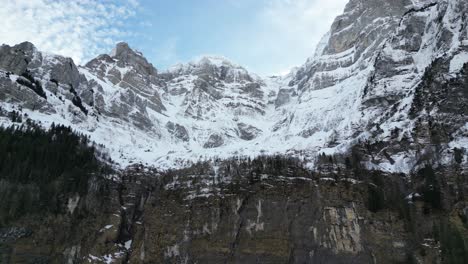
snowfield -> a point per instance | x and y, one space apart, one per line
212 108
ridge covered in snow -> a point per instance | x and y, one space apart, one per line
359 86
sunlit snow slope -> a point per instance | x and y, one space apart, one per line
359 86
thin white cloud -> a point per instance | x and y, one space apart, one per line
287 31
282 34
75 28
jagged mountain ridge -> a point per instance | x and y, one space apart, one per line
359 86
392 95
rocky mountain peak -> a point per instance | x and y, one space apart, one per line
213 67
124 57
137 79
25 59
26 47
214 60
122 51
17 58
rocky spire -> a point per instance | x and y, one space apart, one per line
125 55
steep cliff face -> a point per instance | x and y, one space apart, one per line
268 210
244 212
39 81
367 90
276 220
353 40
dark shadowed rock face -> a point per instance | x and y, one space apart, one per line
214 141
284 97
17 58
178 131
267 210
248 132
25 57
367 68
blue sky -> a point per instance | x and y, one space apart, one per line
172 31
266 36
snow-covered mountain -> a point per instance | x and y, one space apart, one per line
365 82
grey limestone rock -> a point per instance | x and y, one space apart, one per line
178 131
247 132
214 141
